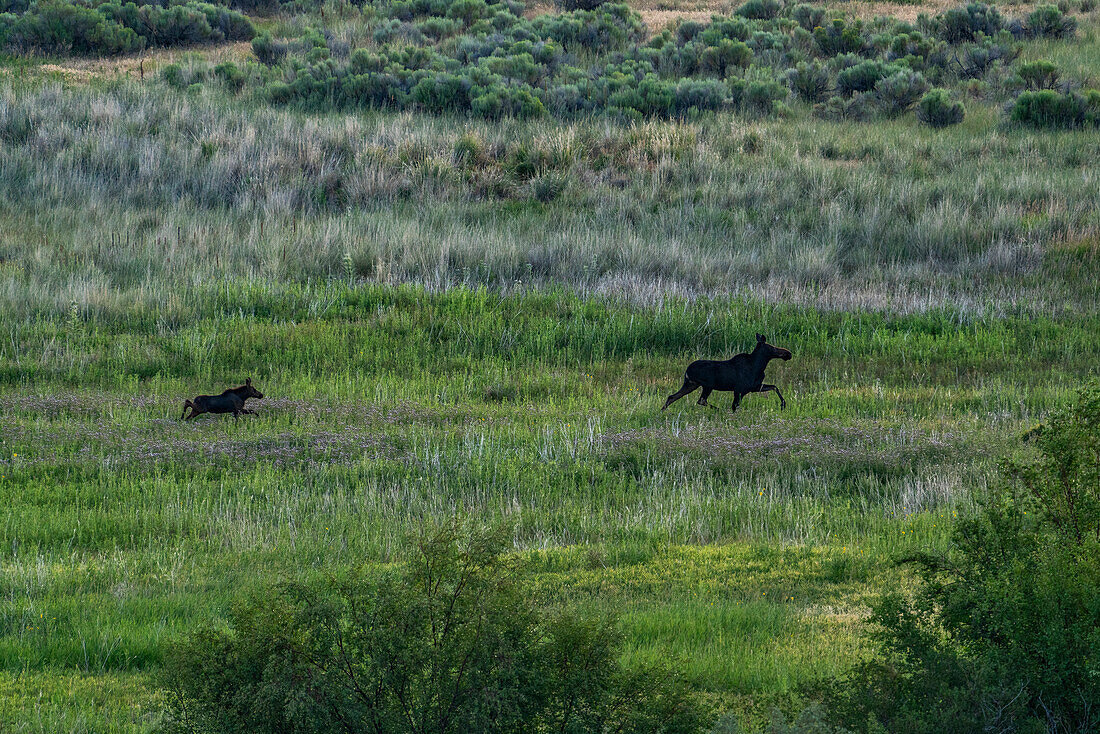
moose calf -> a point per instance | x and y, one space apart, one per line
741 375
230 401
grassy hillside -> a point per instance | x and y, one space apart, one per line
450 315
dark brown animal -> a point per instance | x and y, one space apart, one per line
741 375
230 401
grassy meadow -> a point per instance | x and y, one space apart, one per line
460 317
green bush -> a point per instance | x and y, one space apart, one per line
568 5
808 16
727 54
651 96
809 80
442 92
372 89
1003 633
897 93
439 27
968 23
1047 21
268 50
757 96
1049 109
701 95
449 643
610 27
1037 75
839 37
60 27
506 101
230 75
857 107
468 11
188 23
977 60
759 9
173 76
937 109
862 77
278 93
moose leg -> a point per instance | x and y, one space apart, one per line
736 402
767 388
685 389
703 398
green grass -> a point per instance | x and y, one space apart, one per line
746 545
141 192
441 335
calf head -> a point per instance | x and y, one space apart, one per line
772 352
247 391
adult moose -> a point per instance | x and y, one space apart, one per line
741 375
230 401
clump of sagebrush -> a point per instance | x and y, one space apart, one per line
809 80
1051 109
969 23
1002 634
1048 21
897 93
449 642
112 28
1036 75
937 109
483 58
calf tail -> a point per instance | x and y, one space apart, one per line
187 404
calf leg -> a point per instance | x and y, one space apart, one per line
767 388
685 389
703 398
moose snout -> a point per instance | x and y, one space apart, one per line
785 355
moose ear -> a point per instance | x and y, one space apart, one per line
248 380
760 338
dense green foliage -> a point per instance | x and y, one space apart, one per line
1004 633
1052 109
487 60
62 27
450 642
937 109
